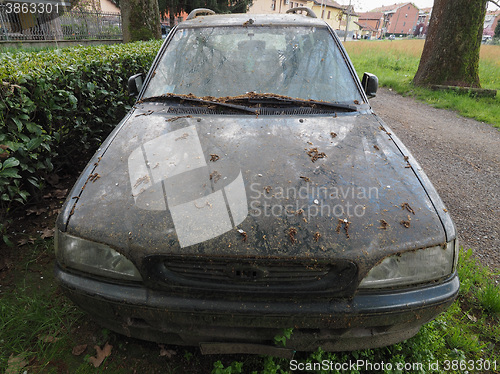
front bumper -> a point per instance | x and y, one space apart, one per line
366 321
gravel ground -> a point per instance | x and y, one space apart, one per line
461 157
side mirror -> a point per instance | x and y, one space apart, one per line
135 84
370 84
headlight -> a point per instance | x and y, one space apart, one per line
94 258
419 266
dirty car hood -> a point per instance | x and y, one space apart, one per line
316 187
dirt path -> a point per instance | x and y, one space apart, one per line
461 157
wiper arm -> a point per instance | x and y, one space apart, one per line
252 98
200 100
255 98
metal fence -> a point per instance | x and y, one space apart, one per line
61 25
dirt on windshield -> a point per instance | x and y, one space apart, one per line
461 157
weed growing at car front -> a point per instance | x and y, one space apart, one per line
396 62
489 297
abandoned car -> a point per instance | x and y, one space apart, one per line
251 189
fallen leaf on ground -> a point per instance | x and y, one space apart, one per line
58 194
5 263
55 212
166 352
79 349
15 363
49 339
24 241
36 211
101 355
52 179
47 233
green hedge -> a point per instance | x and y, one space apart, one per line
57 106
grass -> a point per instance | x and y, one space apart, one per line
490 298
396 62
41 327
35 322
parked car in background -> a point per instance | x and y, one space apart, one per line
486 39
252 189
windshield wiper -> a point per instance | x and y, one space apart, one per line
205 101
254 98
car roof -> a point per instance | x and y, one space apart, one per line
243 19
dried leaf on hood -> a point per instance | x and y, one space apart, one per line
243 234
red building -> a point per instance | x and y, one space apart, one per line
399 19
490 22
424 15
371 23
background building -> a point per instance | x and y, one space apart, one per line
399 19
336 15
371 24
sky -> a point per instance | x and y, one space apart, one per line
367 5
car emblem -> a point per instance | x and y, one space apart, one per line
245 273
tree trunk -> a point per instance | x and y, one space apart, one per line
140 20
451 51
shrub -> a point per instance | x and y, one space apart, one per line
57 106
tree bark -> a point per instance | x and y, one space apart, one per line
140 20
451 51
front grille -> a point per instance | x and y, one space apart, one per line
263 276
216 271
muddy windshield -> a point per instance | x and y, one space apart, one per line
298 62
